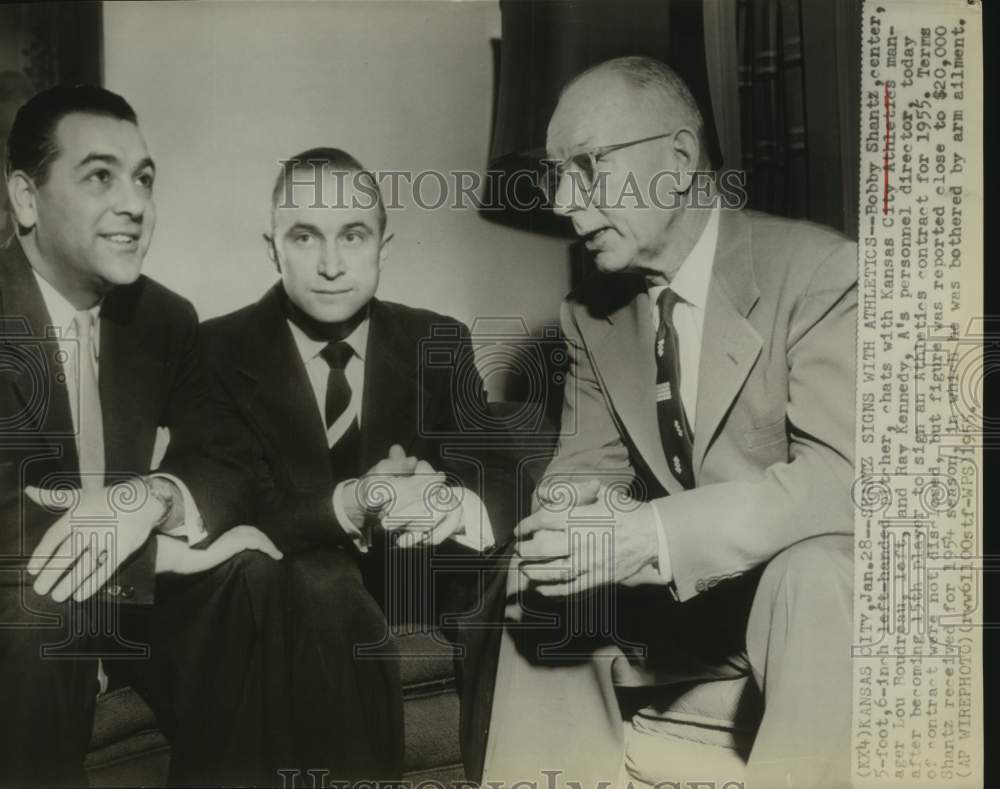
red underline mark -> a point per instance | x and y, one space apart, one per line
885 154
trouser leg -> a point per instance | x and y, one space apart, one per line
479 636
46 701
555 717
799 644
563 689
346 691
217 673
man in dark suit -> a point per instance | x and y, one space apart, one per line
350 418
709 420
96 360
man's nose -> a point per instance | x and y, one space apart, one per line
132 200
331 263
566 199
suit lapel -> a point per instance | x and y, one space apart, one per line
280 397
130 378
729 345
622 352
391 396
37 378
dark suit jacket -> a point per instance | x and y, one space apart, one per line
417 366
152 375
774 433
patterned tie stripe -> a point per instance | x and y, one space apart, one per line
345 452
675 432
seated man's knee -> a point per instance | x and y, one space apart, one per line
327 588
815 569
257 567
332 575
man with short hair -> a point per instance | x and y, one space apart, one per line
350 425
100 364
15 89
709 420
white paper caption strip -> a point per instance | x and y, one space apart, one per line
918 552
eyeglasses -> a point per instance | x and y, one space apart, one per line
584 163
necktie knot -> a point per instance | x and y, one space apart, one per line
668 298
337 354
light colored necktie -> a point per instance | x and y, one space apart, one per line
90 425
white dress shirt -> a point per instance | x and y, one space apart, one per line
62 315
690 283
475 533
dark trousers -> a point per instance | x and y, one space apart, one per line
46 703
216 674
212 674
345 692
447 591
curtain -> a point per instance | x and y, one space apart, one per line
42 44
799 93
772 106
722 66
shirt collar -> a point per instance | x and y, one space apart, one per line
693 277
61 311
309 348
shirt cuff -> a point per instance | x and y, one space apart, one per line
344 520
663 564
192 528
476 531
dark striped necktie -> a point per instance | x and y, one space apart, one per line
344 454
675 432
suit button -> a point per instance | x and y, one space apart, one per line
127 590
114 590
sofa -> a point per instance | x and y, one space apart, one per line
127 748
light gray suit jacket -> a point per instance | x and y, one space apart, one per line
774 433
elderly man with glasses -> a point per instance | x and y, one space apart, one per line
687 571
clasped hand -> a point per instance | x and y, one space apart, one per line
594 535
407 496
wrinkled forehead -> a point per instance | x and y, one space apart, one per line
598 109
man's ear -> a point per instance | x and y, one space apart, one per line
687 155
22 195
272 250
383 251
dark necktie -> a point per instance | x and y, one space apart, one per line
338 391
344 452
675 432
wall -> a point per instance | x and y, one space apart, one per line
226 90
